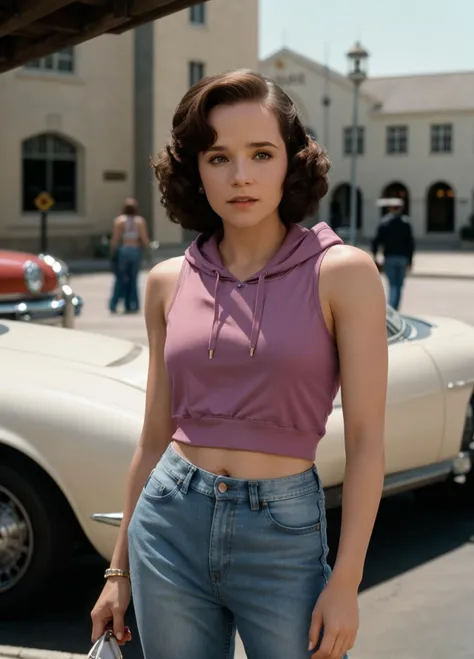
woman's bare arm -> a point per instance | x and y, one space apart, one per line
158 426
357 301
116 234
351 289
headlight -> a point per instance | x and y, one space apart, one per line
62 272
60 269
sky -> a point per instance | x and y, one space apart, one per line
402 36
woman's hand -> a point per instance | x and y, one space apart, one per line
110 608
337 610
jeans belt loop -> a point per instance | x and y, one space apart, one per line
185 486
316 476
253 496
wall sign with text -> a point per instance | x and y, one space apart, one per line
290 79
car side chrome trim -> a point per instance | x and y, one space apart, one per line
393 484
461 384
111 519
402 481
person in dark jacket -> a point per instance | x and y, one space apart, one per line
395 237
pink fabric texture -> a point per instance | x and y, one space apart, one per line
251 363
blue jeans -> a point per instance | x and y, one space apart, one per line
209 554
395 268
126 278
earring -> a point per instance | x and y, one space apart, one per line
201 190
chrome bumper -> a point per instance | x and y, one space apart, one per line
461 466
62 310
112 519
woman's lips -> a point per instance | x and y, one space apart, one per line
243 201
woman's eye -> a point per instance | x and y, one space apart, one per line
263 155
216 160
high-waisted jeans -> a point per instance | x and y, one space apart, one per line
210 553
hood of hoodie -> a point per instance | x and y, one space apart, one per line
300 244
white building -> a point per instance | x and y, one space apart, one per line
82 124
416 140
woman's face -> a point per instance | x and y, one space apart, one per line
243 172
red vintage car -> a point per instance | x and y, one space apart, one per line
36 288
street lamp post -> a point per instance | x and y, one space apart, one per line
357 58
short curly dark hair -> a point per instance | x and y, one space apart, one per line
177 171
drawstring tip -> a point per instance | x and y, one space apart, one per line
252 351
211 353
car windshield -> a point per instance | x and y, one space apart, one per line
396 325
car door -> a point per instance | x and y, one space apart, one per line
415 405
414 414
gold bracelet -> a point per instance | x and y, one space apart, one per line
114 572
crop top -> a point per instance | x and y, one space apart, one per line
251 364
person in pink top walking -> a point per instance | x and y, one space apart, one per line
251 334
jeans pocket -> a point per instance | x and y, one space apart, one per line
160 486
298 515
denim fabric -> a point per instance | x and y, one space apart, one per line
209 554
126 278
395 268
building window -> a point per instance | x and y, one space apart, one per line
340 210
441 208
396 190
197 14
397 139
50 165
60 62
441 138
348 141
196 72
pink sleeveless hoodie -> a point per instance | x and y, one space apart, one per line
251 364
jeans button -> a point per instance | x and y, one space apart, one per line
222 487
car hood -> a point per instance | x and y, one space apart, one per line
106 356
15 260
442 325
12 273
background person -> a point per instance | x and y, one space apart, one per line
250 334
129 237
395 236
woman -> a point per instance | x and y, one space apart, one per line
250 334
129 237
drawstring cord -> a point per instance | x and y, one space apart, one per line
257 314
256 320
213 337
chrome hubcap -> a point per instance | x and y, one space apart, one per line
16 540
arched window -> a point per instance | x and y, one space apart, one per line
441 208
399 191
50 165
341 207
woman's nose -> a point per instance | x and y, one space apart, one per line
241 174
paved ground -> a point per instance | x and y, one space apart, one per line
440 296
417 597
458 264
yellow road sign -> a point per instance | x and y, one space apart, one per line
44 201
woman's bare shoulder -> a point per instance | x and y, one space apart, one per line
346 261
162 281
349 272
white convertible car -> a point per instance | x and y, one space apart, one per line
71 409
